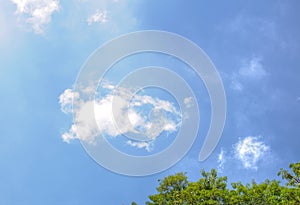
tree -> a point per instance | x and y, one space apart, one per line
293 178
175 189
293 181
268 192
211 189
170 190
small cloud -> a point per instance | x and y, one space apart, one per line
140 145
298 98
37 13
250 151
188 102
250 71
236 85
98 17
71 135
107 85
253 69
221 160
66 100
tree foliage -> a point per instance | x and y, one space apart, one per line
212 189
292 178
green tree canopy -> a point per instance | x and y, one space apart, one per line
212 189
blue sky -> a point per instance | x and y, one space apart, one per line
43 45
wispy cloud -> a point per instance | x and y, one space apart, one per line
146 145
245 25
221 160
249 151
235 84
147 115
98 17
36 12
251 70
266 31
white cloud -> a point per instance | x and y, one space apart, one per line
250 151
98 17
134 118
140 145
253 69
66 100
147 116
221 160
170 126
71 135
188 102
86 19
140 100
36 12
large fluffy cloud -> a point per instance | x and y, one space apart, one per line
144 115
